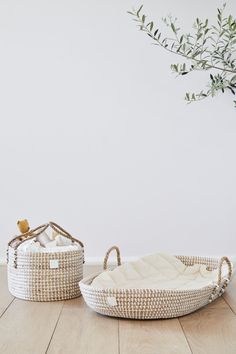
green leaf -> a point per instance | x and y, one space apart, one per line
173 27
139 10
230 88
196 54
155 33
233 79
199 36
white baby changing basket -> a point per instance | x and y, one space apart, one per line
140 303
44 276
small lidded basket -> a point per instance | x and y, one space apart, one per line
46 275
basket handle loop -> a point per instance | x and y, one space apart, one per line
64 233
113 248
222 261
27 235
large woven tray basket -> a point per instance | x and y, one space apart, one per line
154 303
44 276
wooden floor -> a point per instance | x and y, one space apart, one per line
71 327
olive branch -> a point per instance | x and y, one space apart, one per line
210 47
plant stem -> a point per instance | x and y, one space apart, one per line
209 66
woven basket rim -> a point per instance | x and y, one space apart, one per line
85 283
22 252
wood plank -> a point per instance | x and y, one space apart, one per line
80 330
5 297
230 294
152 337
211 329
26 327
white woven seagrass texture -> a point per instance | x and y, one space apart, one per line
154 303
41 276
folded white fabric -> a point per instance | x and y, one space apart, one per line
53 240
62 241
51 244
43 243
43 239
158 271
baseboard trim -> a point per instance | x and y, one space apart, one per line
99 260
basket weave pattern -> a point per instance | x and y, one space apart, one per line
154 303
31 277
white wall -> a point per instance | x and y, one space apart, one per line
96 136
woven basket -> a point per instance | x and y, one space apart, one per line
154 303
44 276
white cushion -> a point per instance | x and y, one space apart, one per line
158 271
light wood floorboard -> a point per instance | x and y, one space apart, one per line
26 327
80 330
5 297
212 329
230 294
86 331
152 337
